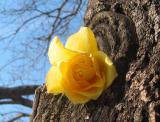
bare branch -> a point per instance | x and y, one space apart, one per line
20 115
7 102
18 90
16 93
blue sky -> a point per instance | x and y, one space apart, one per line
20 65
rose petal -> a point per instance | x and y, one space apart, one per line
74 97
58 53
66 72
91 90
80 95
107 66
53 81
92 93
82 41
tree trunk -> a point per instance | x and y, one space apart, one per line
129 32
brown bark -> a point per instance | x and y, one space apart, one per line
129 32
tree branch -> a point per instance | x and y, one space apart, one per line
7 102
18 117
16 93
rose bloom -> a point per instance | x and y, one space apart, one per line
79 70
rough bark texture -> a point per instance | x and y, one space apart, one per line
129 32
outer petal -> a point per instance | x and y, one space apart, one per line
58 53
92 93
82 41
76 98
107 66
53 81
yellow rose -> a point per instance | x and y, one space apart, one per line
79 70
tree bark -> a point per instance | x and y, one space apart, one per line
129 32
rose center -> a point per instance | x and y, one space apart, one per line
83 68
